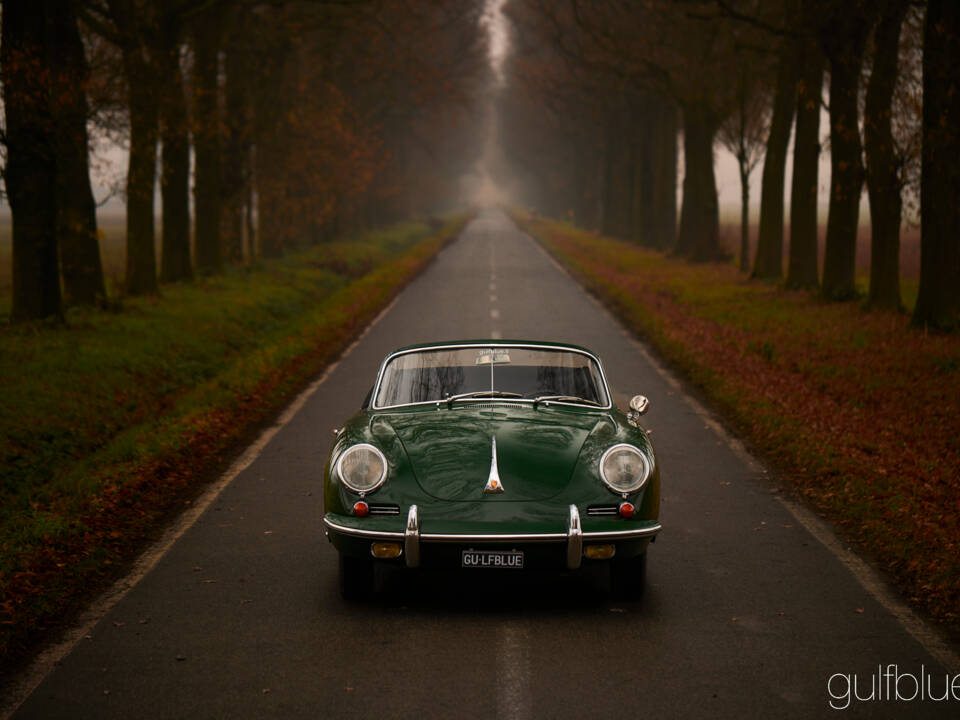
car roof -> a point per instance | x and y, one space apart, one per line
493 343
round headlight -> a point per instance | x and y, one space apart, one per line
624 469
362 468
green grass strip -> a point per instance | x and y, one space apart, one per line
109 423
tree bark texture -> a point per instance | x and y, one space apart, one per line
883 165
141 181
618 177
845 53
31 169
802 270
76 209
206 138
585 199
142 165
657 173
175 262
744 215
698 238
271 220
938 302
665 169
270 110
645 176
768 262
236 152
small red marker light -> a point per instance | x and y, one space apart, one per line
626 509
360 508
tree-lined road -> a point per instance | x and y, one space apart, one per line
746 615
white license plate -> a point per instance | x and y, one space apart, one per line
509 559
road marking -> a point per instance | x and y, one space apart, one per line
513 672
23 686
494 313
869 578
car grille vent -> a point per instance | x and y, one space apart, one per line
602 510
491 405
384 509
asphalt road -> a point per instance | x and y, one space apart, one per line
747 614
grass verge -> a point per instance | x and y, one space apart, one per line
859 412
112 422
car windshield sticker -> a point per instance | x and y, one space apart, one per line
498 357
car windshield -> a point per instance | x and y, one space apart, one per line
519 373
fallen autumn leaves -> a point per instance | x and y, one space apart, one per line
860 412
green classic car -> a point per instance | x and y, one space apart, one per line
492 454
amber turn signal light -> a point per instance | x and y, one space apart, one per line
599 552
385 550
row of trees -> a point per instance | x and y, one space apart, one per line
598 90
290 122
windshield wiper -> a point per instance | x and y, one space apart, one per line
481 393
565 398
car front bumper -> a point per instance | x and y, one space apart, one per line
348 533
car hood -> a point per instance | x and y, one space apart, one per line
450 450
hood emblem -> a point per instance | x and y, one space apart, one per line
494 483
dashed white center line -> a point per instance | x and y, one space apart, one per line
494 312
513 672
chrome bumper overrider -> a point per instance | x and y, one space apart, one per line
412 537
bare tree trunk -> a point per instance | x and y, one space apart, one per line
236 147
76 208
646 178
31 169
632 227
699 217
846 166
142 164
271 107
938 303
883 167
141 180
744 215
175 263
250 226
206 140
769 257
617 180
664 199
802 271
655 163
583 166
272 222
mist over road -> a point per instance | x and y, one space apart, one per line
746 613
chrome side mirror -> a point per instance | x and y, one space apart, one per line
639 404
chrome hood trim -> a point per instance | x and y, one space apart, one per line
494 483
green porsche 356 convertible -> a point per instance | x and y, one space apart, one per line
492 454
